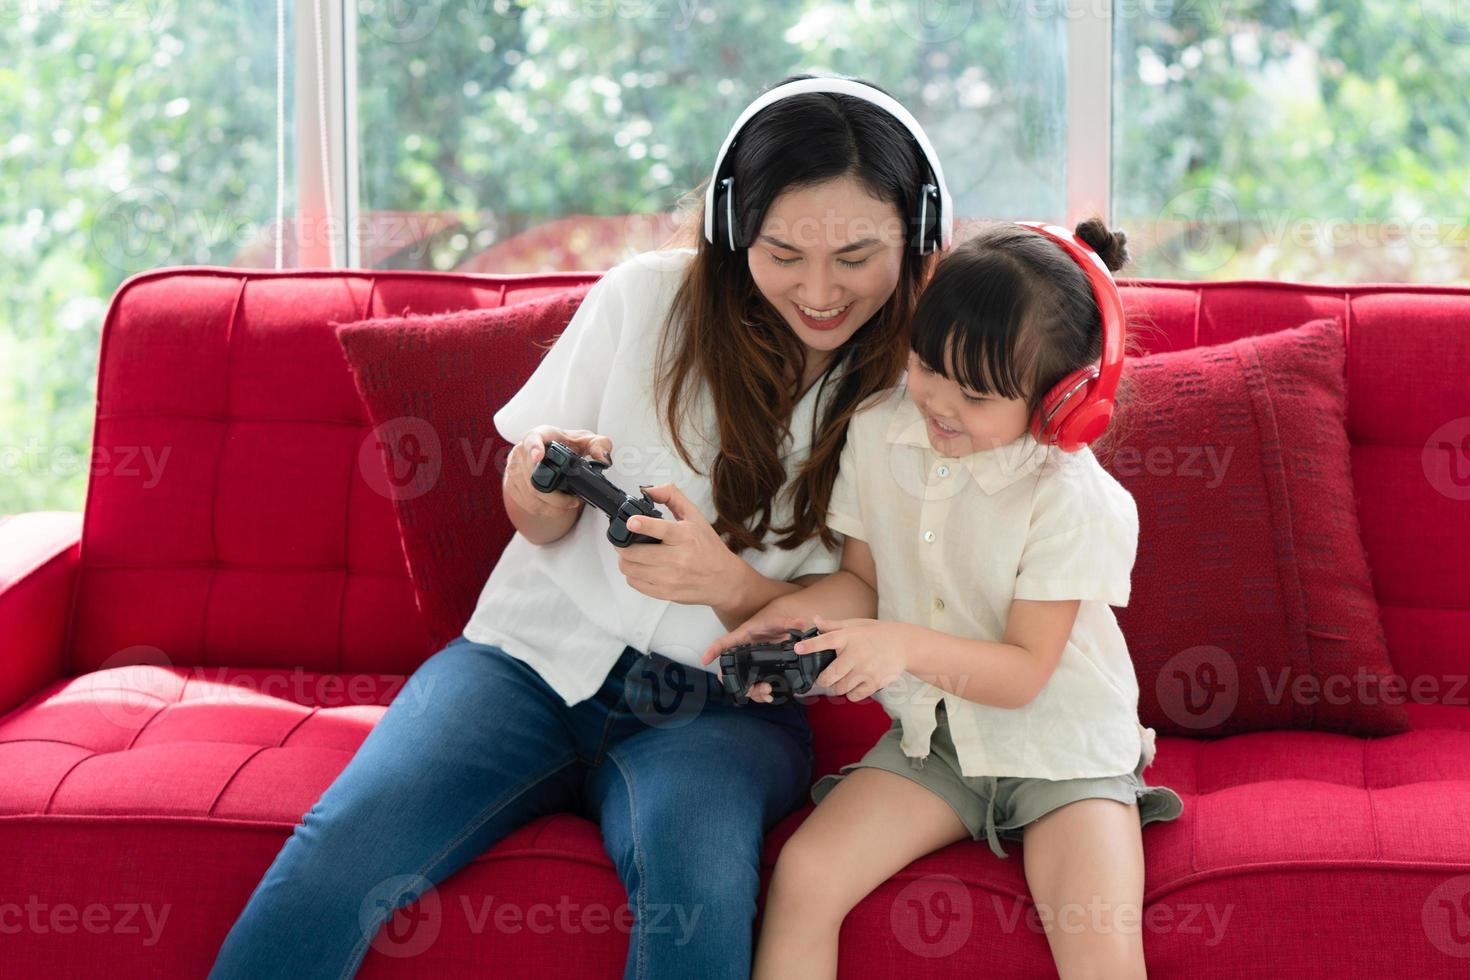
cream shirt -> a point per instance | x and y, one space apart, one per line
954 540
564 608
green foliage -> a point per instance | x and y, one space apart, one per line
132 135
1318 140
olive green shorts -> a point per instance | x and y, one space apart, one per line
987 804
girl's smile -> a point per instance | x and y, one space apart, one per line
939 431
959 422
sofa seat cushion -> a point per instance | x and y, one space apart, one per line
167 740
261 745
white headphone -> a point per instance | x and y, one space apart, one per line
723 188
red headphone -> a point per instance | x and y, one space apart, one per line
1078 408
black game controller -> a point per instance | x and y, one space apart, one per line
562 469
775 662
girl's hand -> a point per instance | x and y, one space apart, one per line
524 456
692 565
763 625
870 654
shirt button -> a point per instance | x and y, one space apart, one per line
928 535
939 605
944 471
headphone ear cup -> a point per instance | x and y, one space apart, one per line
1085 425
723 206
1053 421
926 220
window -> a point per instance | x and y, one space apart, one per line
1312 140
521 137
1318 140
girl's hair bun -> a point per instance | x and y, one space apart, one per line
1110 246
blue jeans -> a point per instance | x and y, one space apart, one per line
683 783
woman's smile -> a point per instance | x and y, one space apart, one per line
824 320
828 257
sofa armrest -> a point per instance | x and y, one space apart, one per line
38 560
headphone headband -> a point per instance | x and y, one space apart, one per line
837 86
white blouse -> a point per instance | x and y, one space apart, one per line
564 608
954 540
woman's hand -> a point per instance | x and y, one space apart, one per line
692 565
870 654
524 456
766 624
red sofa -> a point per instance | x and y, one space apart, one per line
185 666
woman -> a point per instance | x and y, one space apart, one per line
724 377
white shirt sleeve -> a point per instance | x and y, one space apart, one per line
1081 545
843 513
567 387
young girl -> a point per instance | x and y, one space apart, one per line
989 543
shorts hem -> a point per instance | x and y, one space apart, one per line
912 775
1169 806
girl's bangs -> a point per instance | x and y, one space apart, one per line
980 344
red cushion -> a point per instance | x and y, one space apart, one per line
431 386
1251 605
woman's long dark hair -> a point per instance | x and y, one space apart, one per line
724 334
